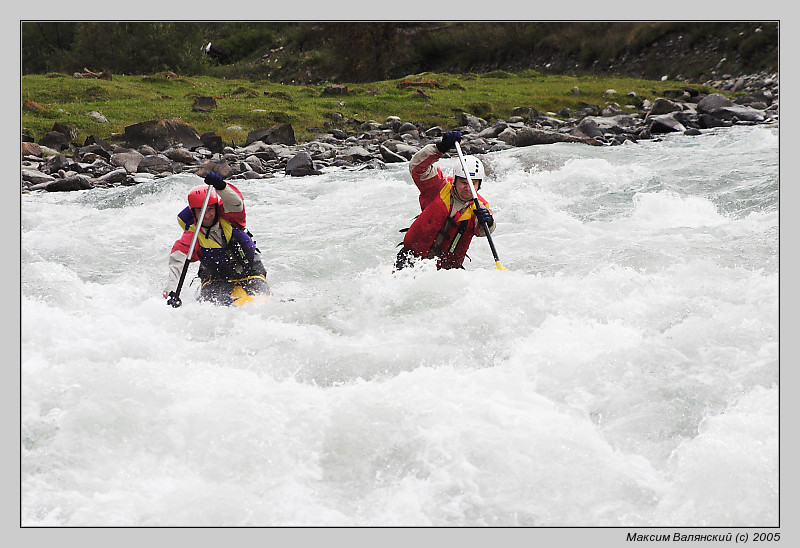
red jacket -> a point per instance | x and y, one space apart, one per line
436 202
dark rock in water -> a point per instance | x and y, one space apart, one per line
78 182
129 159
35 177
692 131
179 155
739 112
564 112
97 149
665 123
706 121
712 103
390 156
116 176
212 141
663 106
407 127
278 134
95 140
162 134
56 163
589 127
530 136
155 164
372 164
222 167
300 165
55 140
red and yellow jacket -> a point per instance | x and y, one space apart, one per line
441 230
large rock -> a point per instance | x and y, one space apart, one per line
712 103
30 149
55 140
129 159
588 126
740 112
158 163
116 176
301 164
528 136
34 176
162 134
77 182
221 167
389 156
278 134
665 123
212 141
663 106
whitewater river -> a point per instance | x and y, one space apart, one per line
622 373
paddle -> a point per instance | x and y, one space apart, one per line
175 299
478 204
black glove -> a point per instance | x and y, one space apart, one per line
174 301
216 180
448 141
484 216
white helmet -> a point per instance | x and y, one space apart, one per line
474 166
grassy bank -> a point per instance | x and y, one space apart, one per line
250 105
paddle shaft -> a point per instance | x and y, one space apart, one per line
197 229
477 204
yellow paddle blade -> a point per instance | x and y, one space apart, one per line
499 266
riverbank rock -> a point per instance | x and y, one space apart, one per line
158 148
278 134
161 134
300 165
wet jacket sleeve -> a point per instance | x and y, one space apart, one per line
176 261
233 206
426 175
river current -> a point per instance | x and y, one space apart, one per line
623 372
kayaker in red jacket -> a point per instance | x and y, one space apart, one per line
449 218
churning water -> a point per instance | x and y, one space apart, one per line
622 372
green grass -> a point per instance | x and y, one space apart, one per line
127 100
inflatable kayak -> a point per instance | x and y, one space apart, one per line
252 289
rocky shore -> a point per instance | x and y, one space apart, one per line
159 148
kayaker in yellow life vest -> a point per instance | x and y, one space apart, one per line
449 218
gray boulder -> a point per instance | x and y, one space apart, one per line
116 176
129 159
55 140
158 163
162 134
712 103
301 165
530 136
663 106
741 113
34 176
77 182
390 156
665 123
277 134
589 127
